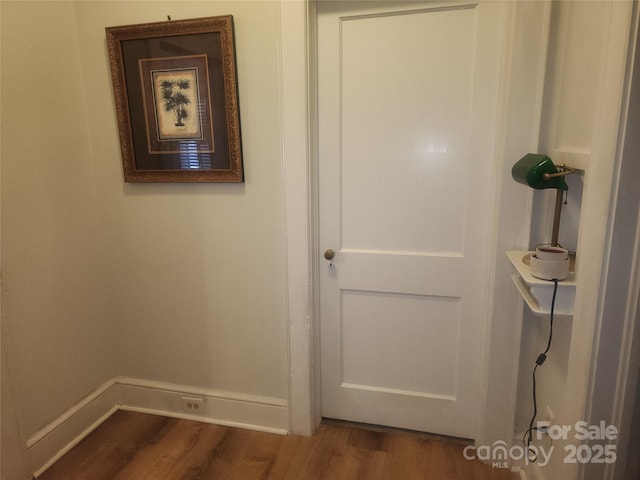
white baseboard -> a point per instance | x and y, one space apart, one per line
122 393
223 408
47 445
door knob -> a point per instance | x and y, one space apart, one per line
329 253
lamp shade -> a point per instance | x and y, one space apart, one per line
531 168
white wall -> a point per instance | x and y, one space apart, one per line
56 318
196 272
175 283
13 461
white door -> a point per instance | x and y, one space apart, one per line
408 111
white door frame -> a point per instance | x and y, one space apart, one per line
297 17
616 356
529 22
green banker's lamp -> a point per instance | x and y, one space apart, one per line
538 171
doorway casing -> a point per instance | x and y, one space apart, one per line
520 112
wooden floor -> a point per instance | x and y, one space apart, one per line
135 446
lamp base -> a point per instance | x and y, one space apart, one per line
572 261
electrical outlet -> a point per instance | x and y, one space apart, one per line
194 405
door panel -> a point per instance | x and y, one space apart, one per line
404 149
384 359
408 97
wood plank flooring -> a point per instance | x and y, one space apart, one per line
135 446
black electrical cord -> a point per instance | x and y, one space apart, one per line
528 435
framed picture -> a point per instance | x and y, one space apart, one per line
176 96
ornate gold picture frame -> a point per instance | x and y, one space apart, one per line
176 97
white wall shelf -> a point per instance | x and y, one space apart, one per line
538 293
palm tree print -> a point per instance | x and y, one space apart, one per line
175 98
